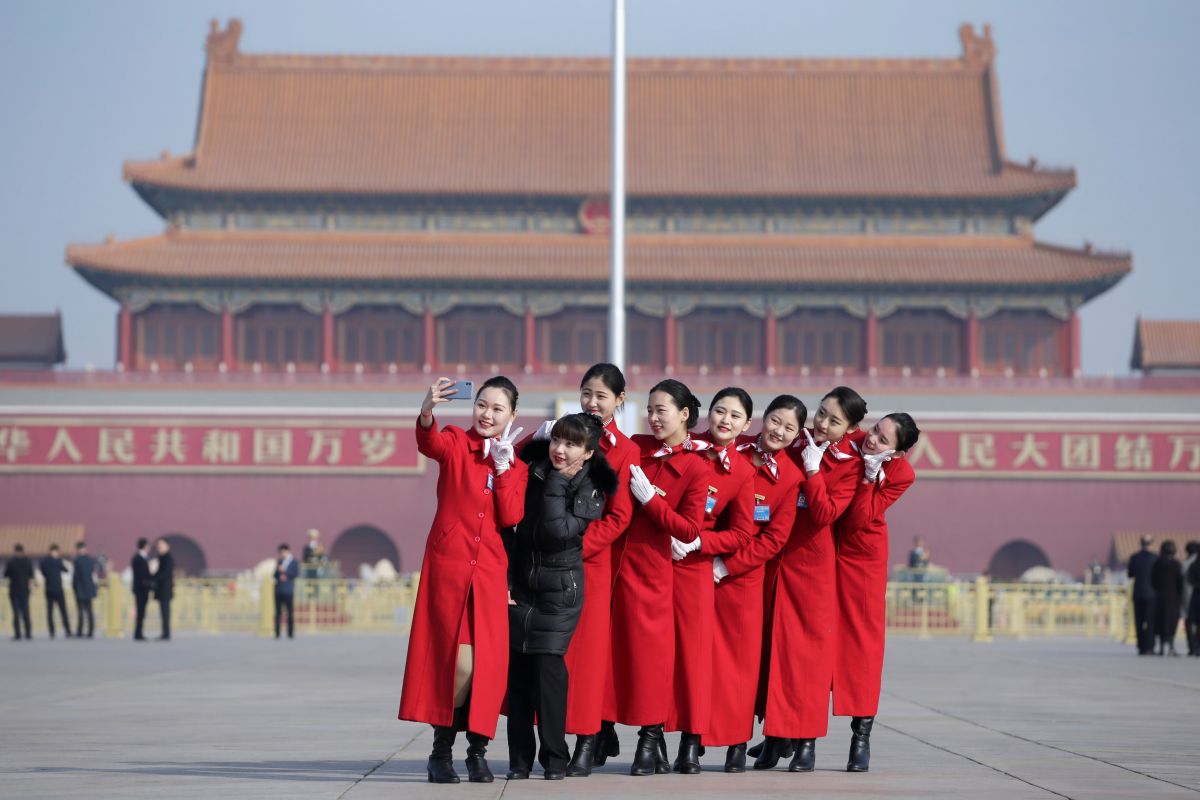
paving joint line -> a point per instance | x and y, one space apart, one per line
372 770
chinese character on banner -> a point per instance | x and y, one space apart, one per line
323 440
1182 447
1133 453
272 446
976 450
116 445
62 444
14 444
924 450
1031 450
221 446
1081 451
168 442
377 446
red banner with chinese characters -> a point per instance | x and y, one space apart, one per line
217 444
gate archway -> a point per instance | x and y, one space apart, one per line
363 544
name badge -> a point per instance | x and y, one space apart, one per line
802 501
710 504
762 513
491 481
660 492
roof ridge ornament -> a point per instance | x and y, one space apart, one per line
978 51
221 46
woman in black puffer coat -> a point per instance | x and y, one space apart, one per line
569 481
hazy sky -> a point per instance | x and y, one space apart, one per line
1109 88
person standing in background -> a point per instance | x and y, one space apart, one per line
286 572
143 582
1141 564
1167 578
19 574
52 568
164 585
1190 621
83 581
313 554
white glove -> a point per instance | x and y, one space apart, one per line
812 454
874 463
542 434
679 550
502 447
719 569
640 485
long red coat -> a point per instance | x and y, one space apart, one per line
862 572
737 644
588 658
802 635
728 523
464 559
643 625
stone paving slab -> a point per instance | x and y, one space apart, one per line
241 717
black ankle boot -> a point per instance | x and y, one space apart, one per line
773 749
646 757
860 744
607 744
441 759
806 756
478 770
688 760
583 757
662 765
756 750
735 758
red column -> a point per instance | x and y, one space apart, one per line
871 333
1074 352
772 334
328 345
971 354
669 336
530 341
430 334
227 348
125 338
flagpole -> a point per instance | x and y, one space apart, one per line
616 299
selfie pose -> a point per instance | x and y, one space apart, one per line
457 665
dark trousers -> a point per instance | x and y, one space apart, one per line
20 611
1143 607
285 602
164 606
83 610
1192 626
140 601
537 684
57 600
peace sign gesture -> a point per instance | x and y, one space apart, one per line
501 447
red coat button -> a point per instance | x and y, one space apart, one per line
477 538
472 562
481 515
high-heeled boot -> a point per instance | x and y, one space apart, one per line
735 758
583 757
860 744
756 750
607 744
688 760
478 770
646 757
773 749
806 756
441 760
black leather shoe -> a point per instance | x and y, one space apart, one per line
646 757
756 750
806 756
773 749
581 760
441 764
735 758
607 744
478 770
518 775
554 774
860 744
688 760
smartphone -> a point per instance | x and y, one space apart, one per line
463 390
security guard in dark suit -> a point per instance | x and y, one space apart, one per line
164 585
19 573
83 581
1141 564
143 583
52 568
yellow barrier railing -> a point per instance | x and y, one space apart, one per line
977 609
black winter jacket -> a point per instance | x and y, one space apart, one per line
545 551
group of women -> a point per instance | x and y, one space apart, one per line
672 581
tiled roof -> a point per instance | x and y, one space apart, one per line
578 259
696 127
36 539
1167 344
31 338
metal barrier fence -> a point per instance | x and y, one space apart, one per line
976 609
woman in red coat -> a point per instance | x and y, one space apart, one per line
669 484
601 393
862 571
728 523
802 638
457 666
738 568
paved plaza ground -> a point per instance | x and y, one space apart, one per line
241 717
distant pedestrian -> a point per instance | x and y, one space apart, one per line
143 584
918 557
313 555
164 585
1167 577
1191 608
286 572
83 581
1141 564
19 574
52 568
